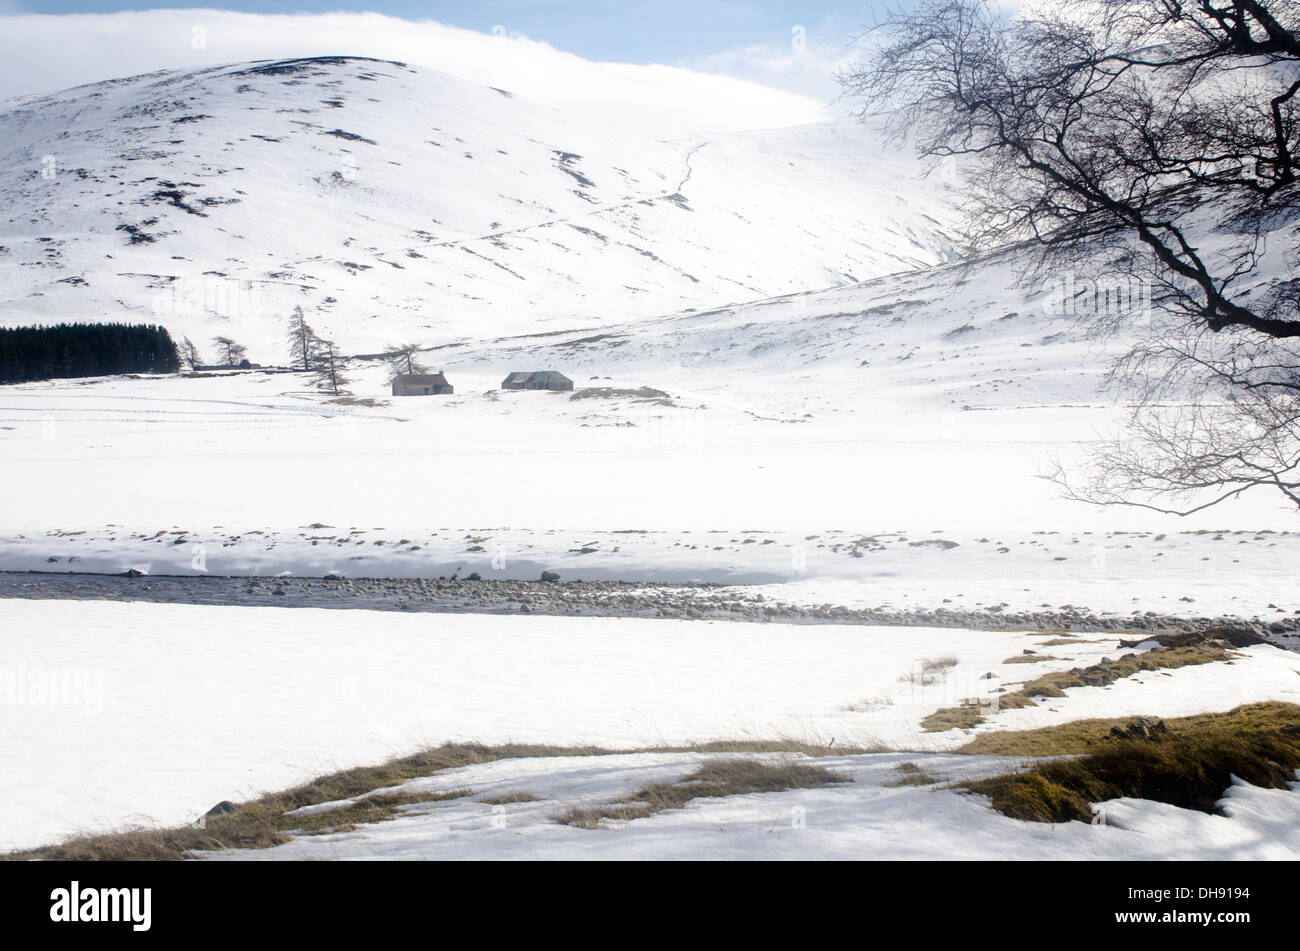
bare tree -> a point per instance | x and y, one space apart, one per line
402 360
190 353
303 341
234 353
1141 143
330 368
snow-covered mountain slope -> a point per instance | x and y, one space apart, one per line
957 338
393 202
928 400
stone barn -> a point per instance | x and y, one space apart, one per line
422 384
537 380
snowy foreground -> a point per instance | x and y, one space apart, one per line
164 710
864 819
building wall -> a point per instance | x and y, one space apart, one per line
410 389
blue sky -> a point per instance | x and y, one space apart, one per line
635 31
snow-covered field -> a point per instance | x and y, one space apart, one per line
153 713
913 482
862 819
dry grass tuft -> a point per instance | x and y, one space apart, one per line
379 807
505 799
1031 659
913 775
1086 736
358 401
1188 762
953 718
267 821
912 779
716 778
1207 650
931 670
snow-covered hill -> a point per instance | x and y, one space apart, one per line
394 203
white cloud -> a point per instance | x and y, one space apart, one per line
806 64
808 71
41 53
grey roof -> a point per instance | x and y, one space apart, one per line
422 379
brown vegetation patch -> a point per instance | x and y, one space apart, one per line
1203 649
1187 762
268 820
716 778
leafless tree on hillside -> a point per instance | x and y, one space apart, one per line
303 341
1147 143
234 353
190 353
330 368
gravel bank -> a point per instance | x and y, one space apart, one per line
583 598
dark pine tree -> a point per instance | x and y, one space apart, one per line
76 350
